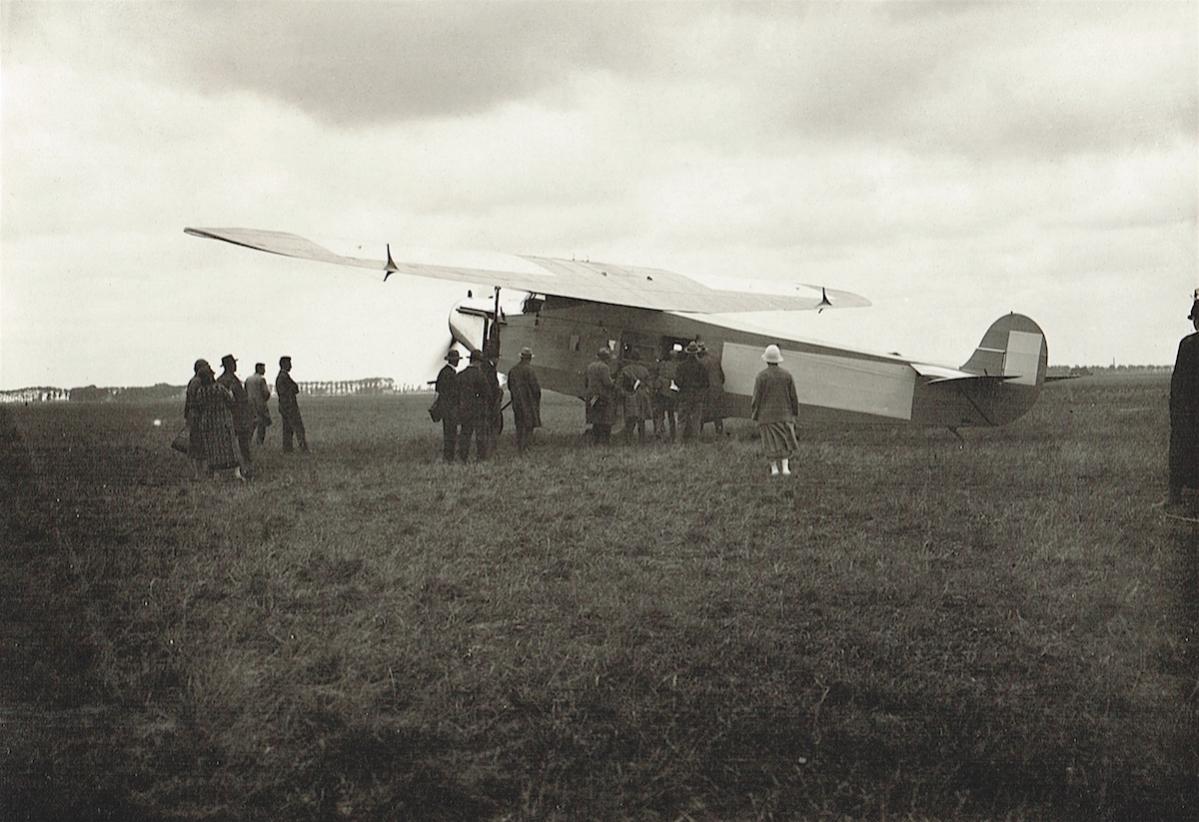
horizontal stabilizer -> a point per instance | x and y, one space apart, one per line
940 373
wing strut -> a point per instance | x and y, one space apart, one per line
495 325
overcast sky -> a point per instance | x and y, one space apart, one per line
949 161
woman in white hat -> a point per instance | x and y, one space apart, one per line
775 407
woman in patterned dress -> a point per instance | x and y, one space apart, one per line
210 423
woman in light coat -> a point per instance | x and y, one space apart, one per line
775 407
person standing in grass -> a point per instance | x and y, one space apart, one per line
715 397
1184 413
211 425
258 390
446 402
289 407
637 396
775 407
692 379
243 421
600 398
525 391
475 401
665 398
190 412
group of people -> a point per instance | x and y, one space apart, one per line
684 384
468 403
223 415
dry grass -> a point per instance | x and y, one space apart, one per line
908 628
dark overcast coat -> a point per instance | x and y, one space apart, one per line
1184 415
526 395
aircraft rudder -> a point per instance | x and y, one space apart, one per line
1014 346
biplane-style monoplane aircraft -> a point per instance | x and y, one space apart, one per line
570 308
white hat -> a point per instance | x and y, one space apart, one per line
772 354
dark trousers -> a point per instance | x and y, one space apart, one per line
631 423
691 410
245 461
665 414
293 423
449 437
601 434
481 431
524 435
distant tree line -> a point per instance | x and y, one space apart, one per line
163 391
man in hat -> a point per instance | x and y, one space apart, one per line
259 392
494 419
1184 413
474 408
692 380
446 402
600 398
665 397
636 394
526 399
289 408
243 421
715 397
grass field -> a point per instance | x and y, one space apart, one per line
910 628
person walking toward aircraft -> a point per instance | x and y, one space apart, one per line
775 407
600 398
210 425
259 392
446 403
715 396
636 393
495 397
665 404
692 379
474 409
243 421
525 391
1184 413
289 408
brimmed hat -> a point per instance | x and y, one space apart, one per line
526 353
772 354
476 356
228 360
691 348
453 355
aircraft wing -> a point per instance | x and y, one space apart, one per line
637 287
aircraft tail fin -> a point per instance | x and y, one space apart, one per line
1009 364
1013 348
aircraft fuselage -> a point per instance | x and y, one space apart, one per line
834 384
